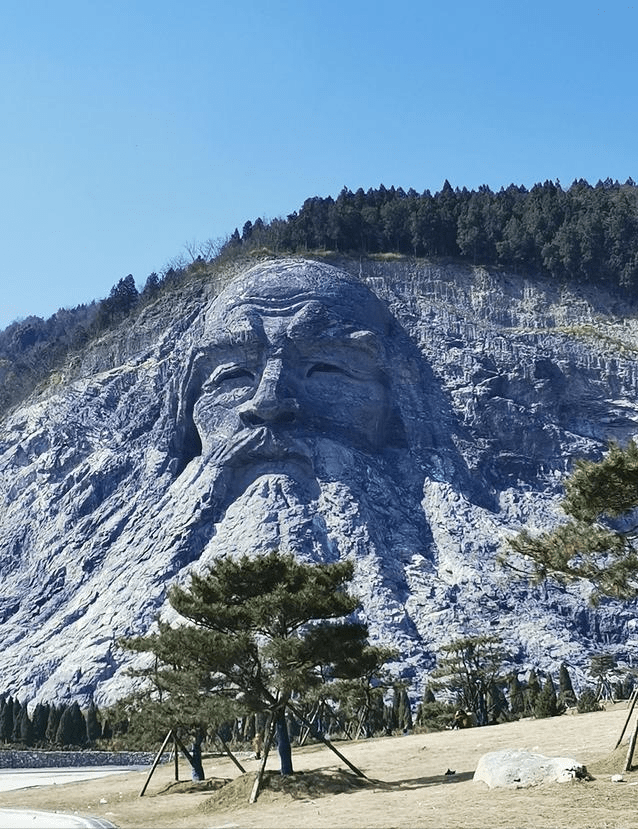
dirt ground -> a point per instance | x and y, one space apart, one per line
407 785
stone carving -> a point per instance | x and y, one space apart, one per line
408 423
302 412
298 362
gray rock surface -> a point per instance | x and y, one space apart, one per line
411 425
517 769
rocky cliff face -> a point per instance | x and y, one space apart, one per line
411 432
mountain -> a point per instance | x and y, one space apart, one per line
423 413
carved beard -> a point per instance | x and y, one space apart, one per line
350 506
326 503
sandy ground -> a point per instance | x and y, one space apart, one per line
407 785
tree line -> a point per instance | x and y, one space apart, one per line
51 726
583 232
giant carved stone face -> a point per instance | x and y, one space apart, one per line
293 353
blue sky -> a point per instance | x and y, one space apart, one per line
134 128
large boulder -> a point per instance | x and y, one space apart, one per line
517 769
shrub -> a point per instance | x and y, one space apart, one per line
587 702
435 716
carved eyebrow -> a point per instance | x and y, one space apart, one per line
361 340
229 338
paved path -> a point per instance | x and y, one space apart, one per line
26 778
23 818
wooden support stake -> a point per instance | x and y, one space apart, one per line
230 753
632 746
175 757
179 744
270 733
634 697
325 741
157 759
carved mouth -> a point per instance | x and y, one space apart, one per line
263 445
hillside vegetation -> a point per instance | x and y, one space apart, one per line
582 233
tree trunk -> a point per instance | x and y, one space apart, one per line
283 743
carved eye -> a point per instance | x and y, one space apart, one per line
228 374
324 368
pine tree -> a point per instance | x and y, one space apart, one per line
517 697
18 713
93 728
26 728
79 724
546 702
65 734
627 686
389 719
471 667
72 727
6 721
497 707
55 715
588 702
263 629
403 710
40 719
567 695
107 731
532 692
597 542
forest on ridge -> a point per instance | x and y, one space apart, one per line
584 233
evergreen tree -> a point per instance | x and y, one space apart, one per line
471 667
18 713
65 734
588 702
55 715
497 707
107 731
26 737
72 727
602 667
532 692
598 542
40 719
93 728
79 725
402 709
6 721
627 686
152 285
263 629
546 702
517 697
567 695
390 722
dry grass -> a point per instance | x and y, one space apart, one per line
406 786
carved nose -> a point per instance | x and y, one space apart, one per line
271 402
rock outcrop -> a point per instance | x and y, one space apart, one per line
415 424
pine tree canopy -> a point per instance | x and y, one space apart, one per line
598 540
471 667
259 631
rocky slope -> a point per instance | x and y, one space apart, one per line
106 496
